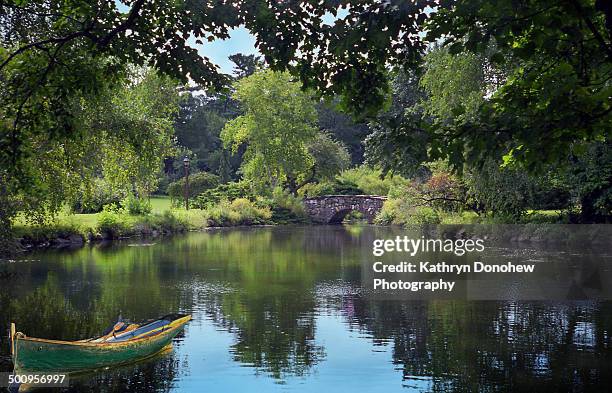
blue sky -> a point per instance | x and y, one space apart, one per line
240 41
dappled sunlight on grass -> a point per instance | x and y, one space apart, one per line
66 223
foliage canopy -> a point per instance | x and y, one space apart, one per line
279 121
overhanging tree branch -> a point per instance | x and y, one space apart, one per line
37 44
600 39
126 24
100 42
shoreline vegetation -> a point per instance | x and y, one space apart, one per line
442 199
161 218
164 219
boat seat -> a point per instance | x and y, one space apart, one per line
112 332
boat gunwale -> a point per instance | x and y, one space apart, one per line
177 323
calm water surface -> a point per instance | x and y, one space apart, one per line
282 309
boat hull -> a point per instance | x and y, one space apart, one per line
33 354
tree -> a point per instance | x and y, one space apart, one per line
563 65
554 108
198 127
557 95
198 183
553 103
124 135
245 65
128 132
547 107
399 141
454 85
343 128
330 157
278 123
54 55
45 43
589 177
202 117
451 90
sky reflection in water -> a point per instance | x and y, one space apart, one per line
281 309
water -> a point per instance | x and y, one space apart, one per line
283 309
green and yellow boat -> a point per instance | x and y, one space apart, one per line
120 344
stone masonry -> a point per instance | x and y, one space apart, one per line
331 209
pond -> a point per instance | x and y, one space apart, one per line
283 309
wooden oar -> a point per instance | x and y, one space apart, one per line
12 339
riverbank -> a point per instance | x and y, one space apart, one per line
74 230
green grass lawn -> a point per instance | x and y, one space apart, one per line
89 222
546 212
532 216
160 204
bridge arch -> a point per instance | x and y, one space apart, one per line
331 209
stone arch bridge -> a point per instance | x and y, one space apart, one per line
331 209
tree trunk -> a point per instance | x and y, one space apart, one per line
589 214
292 185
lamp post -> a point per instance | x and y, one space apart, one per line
186 191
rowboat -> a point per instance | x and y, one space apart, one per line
122 343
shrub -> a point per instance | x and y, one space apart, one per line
167 222
113 222
170 222
162 185
421 216
240 211
58 229
284 199
93 200
227 191
504 192
422 201
286 207
136 206
405 212
354 216
548 196
389 212
358 181
371 181
346 187
198 183
317 189
443 191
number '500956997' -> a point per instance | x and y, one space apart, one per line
36 379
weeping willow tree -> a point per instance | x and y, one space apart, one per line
122 135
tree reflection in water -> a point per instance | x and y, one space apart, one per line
268 288
494 346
